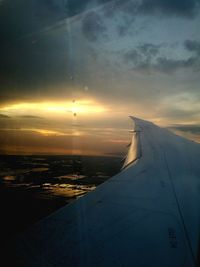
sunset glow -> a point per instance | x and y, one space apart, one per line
53 108
85 71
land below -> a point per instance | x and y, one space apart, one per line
32 187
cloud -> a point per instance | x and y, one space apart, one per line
189 131
142 54
149 49
178 113
170 65
21 18
44 59
61 62
122 30
166 65
93 26
192 128
30 117
186 8
2 116
45 8
133 56
149 58
193 46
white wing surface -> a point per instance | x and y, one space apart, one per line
147 215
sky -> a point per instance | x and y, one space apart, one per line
71 72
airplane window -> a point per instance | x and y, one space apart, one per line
71 73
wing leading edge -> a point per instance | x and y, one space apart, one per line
147 215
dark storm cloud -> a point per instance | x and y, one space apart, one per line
126 24
21 19
168 7
34 54
170 65
193 46
125 6
166 65
134 8
31 60
149 49
29 65
187 8
133 56
122 30
93 26
147 58
142 54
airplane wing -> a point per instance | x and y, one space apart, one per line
147 215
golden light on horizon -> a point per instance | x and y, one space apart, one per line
53 108
47 132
